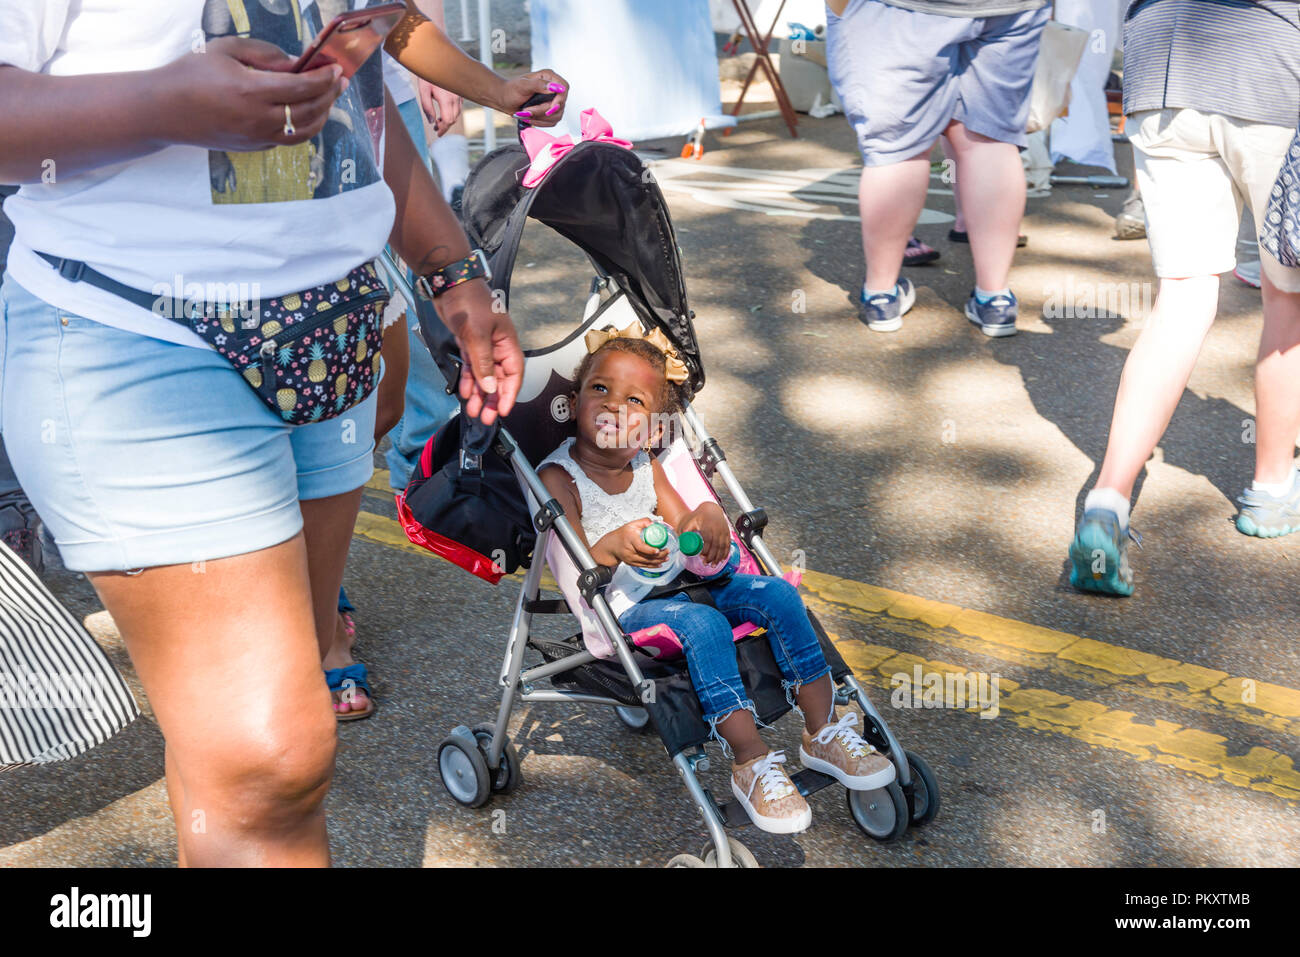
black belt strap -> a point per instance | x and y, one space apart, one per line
76 271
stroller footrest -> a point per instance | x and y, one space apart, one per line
810 782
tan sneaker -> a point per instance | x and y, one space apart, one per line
841 752
768 795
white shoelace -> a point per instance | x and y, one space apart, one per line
843 729
768 773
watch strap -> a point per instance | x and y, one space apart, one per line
435 283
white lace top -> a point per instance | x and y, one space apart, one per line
602 512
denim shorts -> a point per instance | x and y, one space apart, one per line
138 452
904 76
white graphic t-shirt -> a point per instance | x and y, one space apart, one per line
268 223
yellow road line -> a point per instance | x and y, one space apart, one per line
1164 742
1249 700
379 482
1163 679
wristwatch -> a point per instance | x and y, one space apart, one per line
435 283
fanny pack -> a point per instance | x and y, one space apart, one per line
309 356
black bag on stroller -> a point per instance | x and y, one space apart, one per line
464 503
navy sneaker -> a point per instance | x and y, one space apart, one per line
1270 516
996 318
1099 554
884 311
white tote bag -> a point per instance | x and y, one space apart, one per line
1059 55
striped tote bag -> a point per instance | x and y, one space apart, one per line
59 693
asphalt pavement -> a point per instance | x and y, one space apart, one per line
929 480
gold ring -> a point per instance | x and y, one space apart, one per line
289 128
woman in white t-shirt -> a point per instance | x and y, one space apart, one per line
163 152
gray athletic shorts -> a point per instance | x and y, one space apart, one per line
904 76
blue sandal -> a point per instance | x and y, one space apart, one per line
347 680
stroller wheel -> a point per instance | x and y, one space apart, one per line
924 799
634 719
685 860
741 856
880 814
463 768
507 776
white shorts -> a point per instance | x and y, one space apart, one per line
1195 170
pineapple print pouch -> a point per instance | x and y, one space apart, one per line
311 355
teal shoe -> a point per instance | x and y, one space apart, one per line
1099 554
1269 516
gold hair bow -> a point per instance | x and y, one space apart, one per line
674 368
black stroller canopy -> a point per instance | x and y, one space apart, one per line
600 197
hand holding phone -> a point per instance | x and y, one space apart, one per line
351 38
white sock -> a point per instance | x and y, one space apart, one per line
450 153
868 293
1278 490
1109 499
983 295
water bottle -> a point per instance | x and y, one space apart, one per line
630 584
691 544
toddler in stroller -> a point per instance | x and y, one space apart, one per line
605 476
478 500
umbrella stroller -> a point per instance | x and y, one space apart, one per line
602 198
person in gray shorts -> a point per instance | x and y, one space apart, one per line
907 71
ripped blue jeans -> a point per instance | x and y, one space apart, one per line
705 634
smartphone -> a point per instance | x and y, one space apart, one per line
350 38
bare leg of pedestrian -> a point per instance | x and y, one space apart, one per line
328 524
959 223
890 200
992 202
1155 375
250 759
1277 387
1271 505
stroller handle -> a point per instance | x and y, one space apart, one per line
537 99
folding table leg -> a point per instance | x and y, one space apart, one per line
764 60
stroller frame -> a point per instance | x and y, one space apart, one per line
479 762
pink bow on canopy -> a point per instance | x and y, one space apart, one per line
545 150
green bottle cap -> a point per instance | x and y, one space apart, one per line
656 535
691 543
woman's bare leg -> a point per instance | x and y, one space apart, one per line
1155 375
328 524
992 201
392 388
890 200
1277 385
227 653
